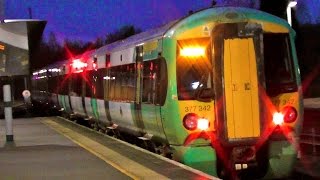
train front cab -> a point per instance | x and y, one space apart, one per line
237 94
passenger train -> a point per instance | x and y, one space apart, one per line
218 90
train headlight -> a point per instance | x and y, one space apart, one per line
203 124
192 122
278 118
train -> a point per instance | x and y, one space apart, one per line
218 90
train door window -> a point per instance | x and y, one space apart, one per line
88 84
131 82
99 74
123 78
117 83
64 87
106 79
149 81
75 87
161 82
52 84
111 81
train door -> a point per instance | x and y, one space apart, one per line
138 104
239 80
151 82
67 101
241 88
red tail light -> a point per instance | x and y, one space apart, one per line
190 121
290 114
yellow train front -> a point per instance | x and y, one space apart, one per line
233 105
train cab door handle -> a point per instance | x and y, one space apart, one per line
247 86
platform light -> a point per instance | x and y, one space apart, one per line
192 52
291 4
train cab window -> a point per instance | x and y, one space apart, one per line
279 68
194 70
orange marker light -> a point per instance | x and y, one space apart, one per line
192 52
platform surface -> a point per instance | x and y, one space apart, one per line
52 148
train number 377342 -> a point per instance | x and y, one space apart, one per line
197 108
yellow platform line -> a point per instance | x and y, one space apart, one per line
116 160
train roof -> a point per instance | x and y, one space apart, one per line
138 38
215 13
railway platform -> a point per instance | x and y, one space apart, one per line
53 148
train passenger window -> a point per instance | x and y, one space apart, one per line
120 83
279 68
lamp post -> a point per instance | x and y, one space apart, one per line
291 4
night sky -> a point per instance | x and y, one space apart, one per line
88 19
